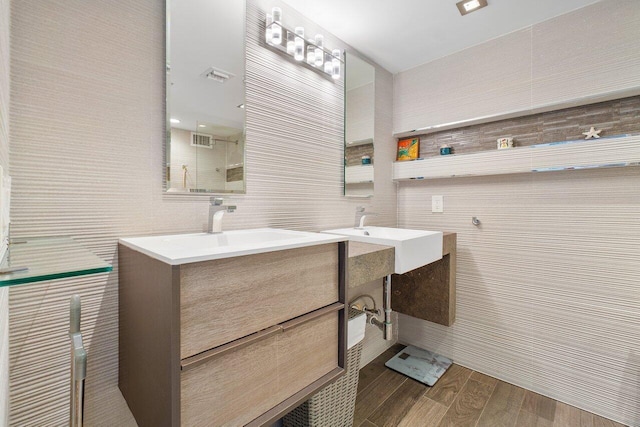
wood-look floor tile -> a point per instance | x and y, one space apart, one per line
391 412
566 416
376 367
539 405
367 423
527 419
449 385
483 378
468 405
598 421
425 412
570 416
503 406
376 394
586 419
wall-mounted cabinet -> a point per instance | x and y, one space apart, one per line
233 341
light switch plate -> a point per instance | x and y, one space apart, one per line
437 204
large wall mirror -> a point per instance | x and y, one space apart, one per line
205 96
359 127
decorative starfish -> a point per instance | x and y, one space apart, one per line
592 133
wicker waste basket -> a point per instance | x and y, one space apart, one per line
333 406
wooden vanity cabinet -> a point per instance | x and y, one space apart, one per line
230 342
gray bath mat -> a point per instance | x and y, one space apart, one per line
421 365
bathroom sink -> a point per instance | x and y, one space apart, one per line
414 248
185 248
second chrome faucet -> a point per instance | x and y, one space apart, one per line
361 215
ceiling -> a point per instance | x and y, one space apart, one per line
402 34
205 34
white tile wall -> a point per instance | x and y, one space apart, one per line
87 130
547 286
591 52
489 79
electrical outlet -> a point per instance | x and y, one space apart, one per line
437 204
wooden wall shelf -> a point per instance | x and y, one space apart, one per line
616 151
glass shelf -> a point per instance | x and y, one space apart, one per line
47 258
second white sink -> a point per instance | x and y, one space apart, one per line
414 248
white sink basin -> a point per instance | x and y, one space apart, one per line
414 248
185 248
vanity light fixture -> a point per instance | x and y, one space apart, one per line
298 51
202 126
276 33
269 30
468 6
319 53
174 121
241 106
335 62
312 52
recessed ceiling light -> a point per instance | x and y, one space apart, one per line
174 121
241 106
202 126
468 6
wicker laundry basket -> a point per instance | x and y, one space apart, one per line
333 406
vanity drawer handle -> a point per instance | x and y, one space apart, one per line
310 316
205 356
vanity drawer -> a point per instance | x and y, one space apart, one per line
227 299
242 380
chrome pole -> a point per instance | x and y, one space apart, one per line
78 364
388 326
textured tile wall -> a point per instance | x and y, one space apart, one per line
613 117
547 286
4 161
591 52
87 131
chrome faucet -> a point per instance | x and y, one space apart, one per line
361 215
216 211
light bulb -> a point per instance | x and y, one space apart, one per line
276 34
269 32
319 52
328 66
311 54
298 53
291 44
335 62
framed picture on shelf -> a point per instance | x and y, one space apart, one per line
408 149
